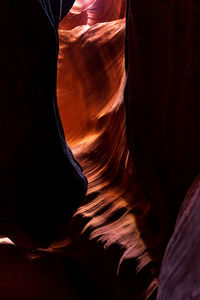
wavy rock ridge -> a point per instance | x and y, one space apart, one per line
91 78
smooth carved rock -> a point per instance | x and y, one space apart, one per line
92 12
90 75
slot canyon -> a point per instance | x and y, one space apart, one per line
117 216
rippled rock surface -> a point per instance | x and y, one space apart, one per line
91 79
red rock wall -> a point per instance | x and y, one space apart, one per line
91 78
162 118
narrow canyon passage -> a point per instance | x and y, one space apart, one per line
91 79
127 86
103 256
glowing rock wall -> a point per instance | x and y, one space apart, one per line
162 117
91 65
91 79
91 75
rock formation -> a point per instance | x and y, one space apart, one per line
134 195
162 111
131 117
91 79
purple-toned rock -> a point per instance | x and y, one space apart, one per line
180 272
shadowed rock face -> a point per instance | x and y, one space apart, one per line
162 108
162 99
179 278
35 162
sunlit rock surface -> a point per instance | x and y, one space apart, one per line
91 78
93 11
162 101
